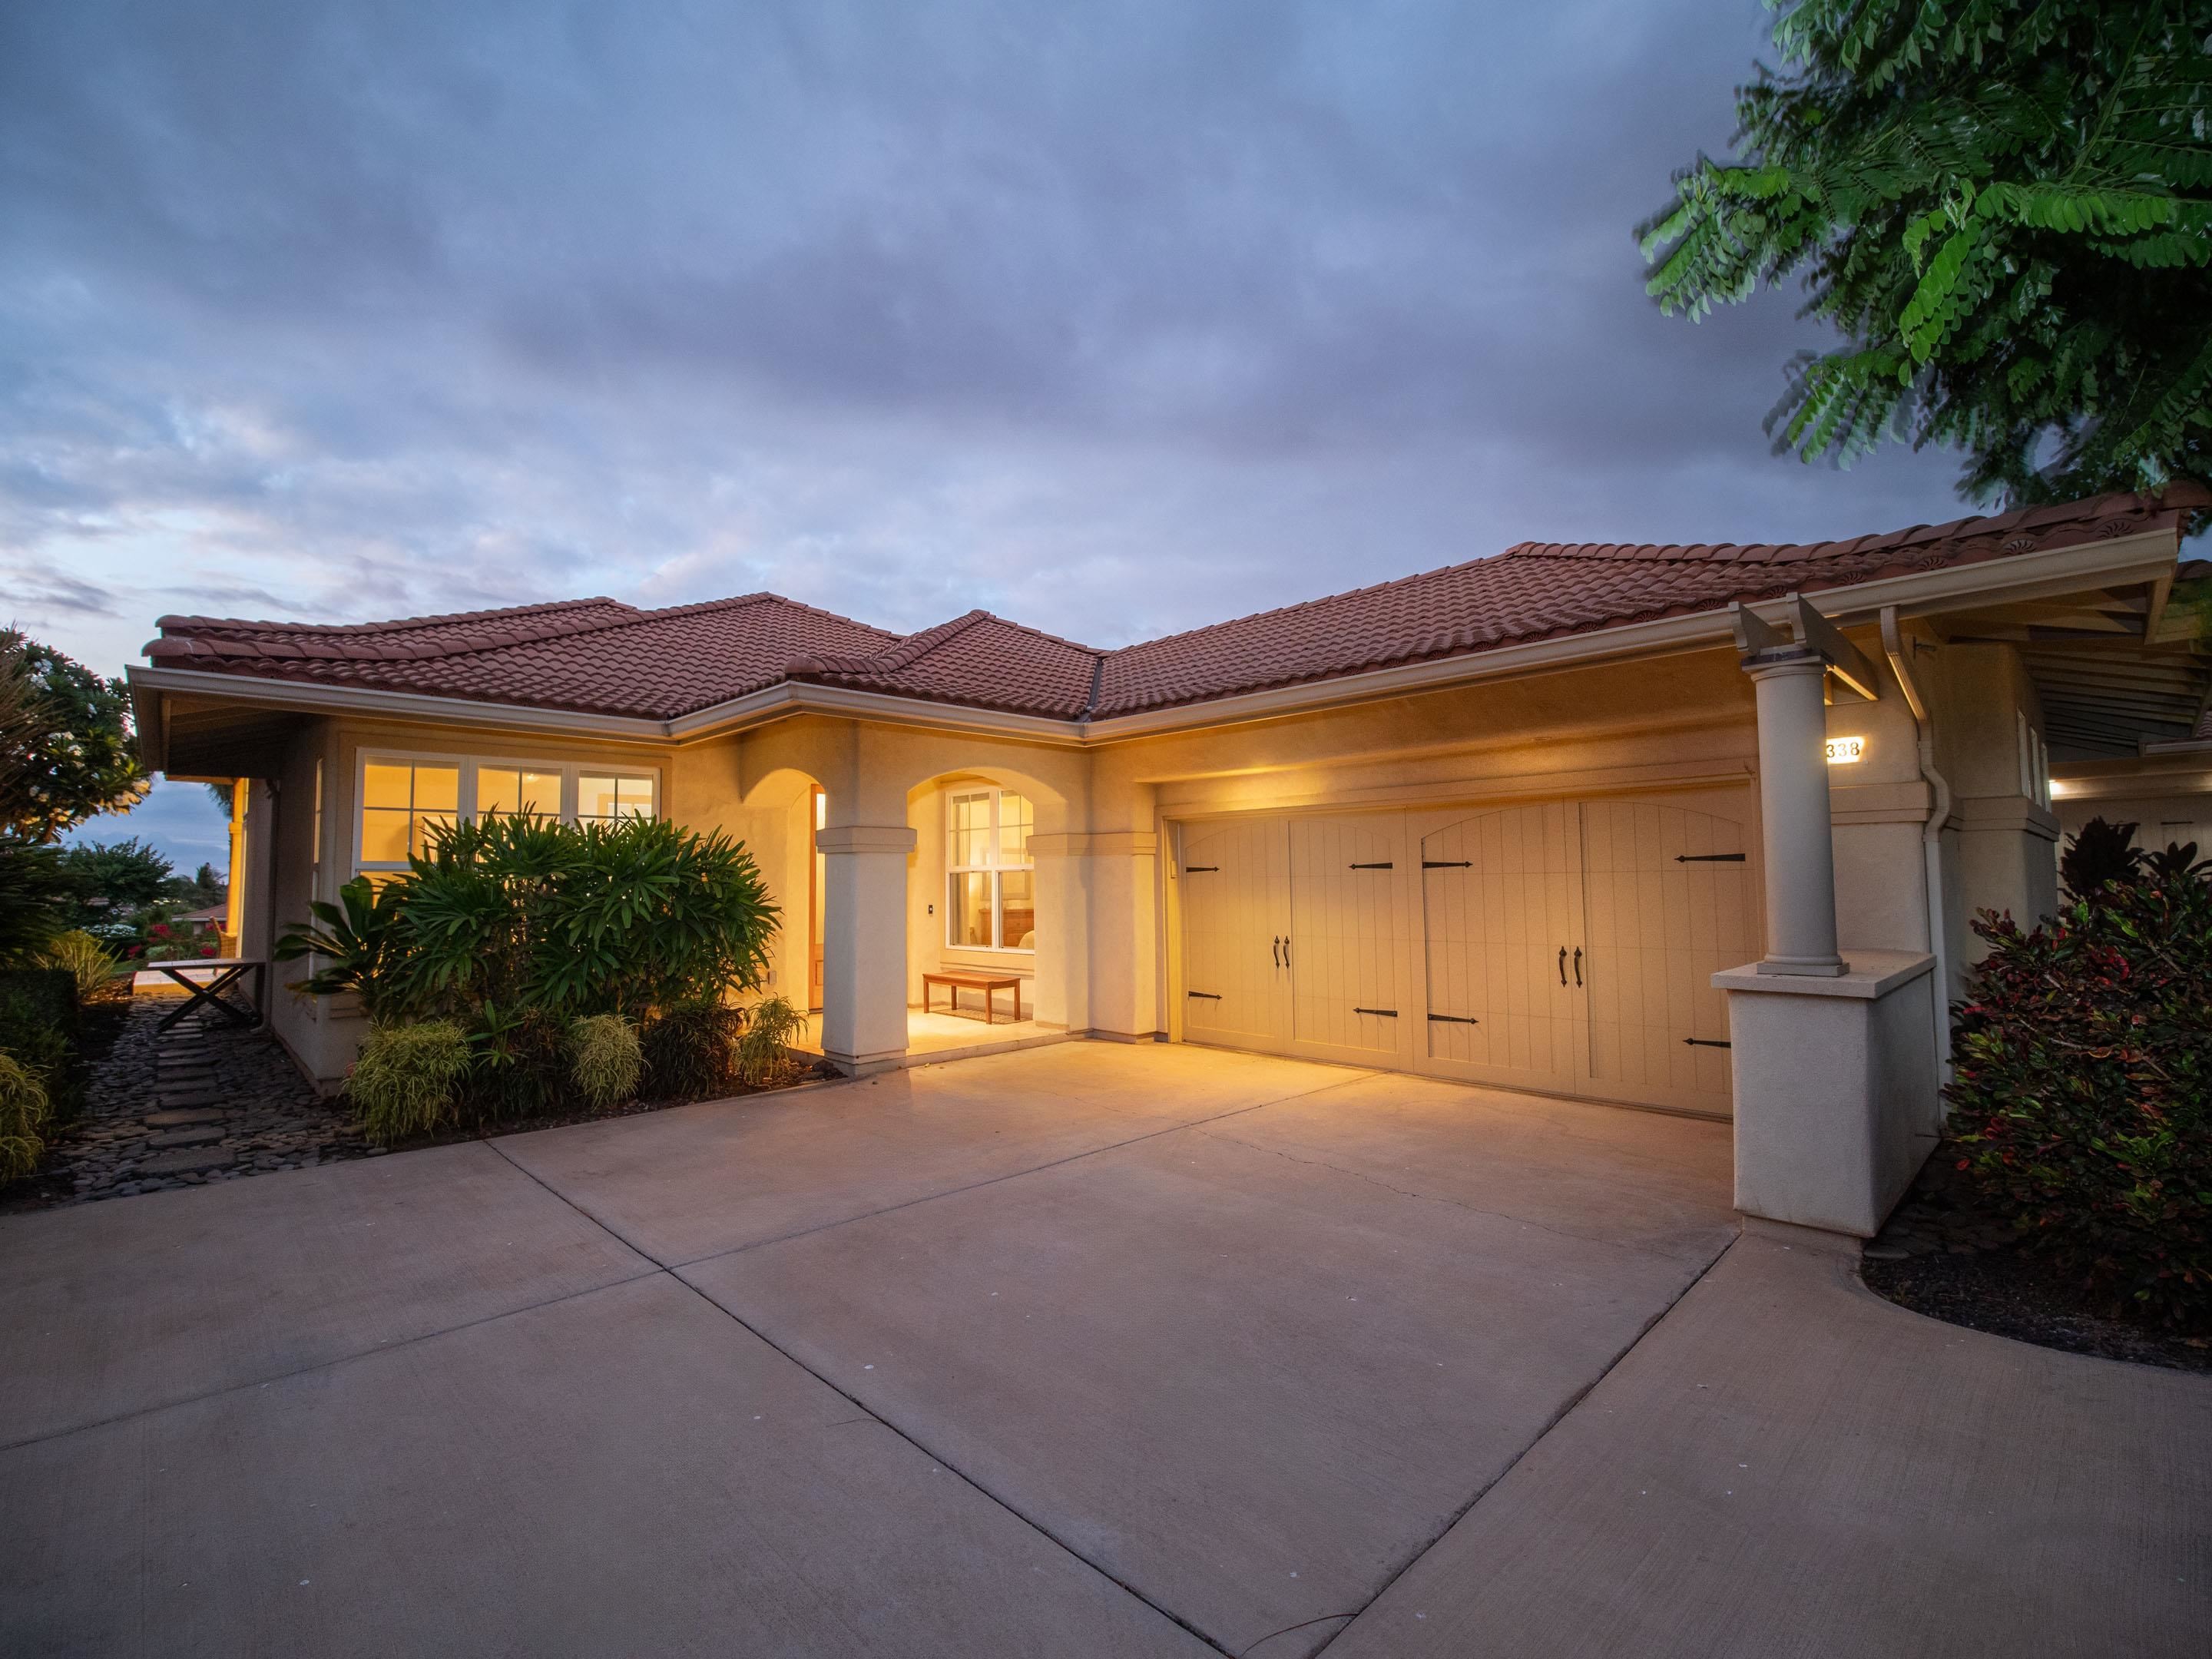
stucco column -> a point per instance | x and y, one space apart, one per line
864 945
1793 803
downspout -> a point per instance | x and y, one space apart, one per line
1894 644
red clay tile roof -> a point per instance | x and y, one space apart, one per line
604 657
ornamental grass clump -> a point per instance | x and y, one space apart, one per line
690 1050
409 1080
764 1051
606 1058
23 1119
2082 1103
86 960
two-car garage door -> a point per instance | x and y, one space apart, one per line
1566 946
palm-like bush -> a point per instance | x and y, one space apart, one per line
517 930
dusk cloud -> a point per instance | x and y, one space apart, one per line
1116 317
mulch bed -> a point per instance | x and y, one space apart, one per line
251 1112
1944 1256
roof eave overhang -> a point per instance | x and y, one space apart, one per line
150 687
2145 556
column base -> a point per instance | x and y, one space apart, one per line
888 1059
1836 1099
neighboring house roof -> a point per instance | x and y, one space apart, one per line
602 657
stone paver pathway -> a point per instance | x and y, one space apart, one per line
201 1102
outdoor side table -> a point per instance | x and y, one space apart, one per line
208 993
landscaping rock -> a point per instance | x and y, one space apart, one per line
191 1162
205 1135
180 1108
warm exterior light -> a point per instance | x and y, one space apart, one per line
1846 751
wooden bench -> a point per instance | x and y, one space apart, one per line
988 984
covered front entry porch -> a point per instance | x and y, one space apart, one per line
914 876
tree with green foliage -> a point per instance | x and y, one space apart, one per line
67 754
117 877
2004 207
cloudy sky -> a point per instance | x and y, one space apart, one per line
1113 318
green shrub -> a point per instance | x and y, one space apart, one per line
85 959
690 1050
409 1078
606 1058
23 1119
764 1051
39 1027
2081 1104
516 930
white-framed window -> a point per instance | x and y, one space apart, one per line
990 900
399 798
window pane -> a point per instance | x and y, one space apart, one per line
515 789
437 788
1017 819
387 786
967 914
969 822
1018 910
608 797
383 837
421 844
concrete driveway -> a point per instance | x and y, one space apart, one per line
1088 1349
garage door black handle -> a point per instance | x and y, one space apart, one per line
1387 1013
1447 864
1579 964
1201 869
1275 948
1709 858
1385 865
1453 1019
1705 1042
1563 965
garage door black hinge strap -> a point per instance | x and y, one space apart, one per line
1709 858
1447 864
1201 869
1705 1042
1385 865
1453 1019
1210 996
1387 1013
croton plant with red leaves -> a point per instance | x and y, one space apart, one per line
2082 1103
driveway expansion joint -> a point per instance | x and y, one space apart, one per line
1196 1123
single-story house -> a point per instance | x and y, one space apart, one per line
1696 829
